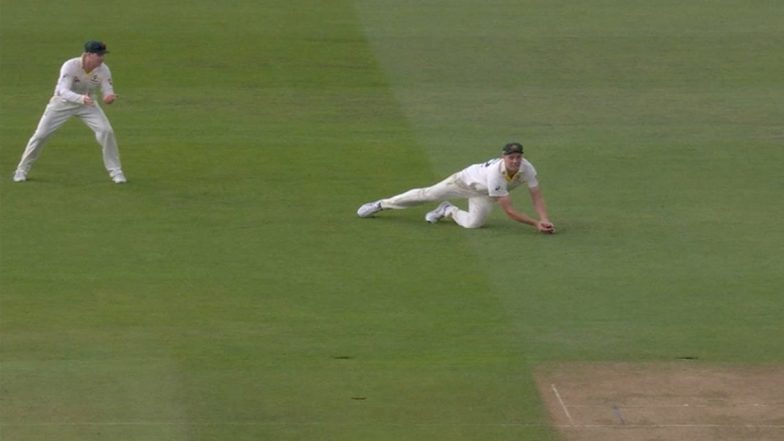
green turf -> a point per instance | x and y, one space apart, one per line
229 292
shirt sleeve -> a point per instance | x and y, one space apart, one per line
529 174
496 186
107 87
64 88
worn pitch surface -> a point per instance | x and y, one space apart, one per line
670 401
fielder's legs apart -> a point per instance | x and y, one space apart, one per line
55 115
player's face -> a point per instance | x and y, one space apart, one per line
513 161
94 59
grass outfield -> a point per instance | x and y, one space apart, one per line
229 292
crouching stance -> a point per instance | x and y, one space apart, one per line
79 78
482 185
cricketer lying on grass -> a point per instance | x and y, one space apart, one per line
482 185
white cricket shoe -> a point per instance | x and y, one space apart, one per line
369 209
20 176
439 213
119 178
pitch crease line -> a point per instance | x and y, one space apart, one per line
563 406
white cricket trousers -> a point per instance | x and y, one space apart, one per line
479 204
56 114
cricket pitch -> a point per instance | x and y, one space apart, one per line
664 401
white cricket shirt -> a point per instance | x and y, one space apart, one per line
75 82
490 177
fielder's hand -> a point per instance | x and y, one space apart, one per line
545 227
108 99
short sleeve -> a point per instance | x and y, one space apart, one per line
496 186
107 86
529 176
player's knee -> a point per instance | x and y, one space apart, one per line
474 223
104 133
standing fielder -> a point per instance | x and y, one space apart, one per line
79 78
483 185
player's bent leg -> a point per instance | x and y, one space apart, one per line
478 210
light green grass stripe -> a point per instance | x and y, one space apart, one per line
655 129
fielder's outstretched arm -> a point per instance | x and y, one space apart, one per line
543 225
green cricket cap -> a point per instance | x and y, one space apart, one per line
513 147
95 47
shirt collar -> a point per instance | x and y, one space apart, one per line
506 173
